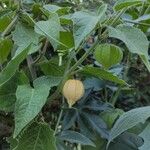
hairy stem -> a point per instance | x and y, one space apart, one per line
42 53
59 90
60 116
83 57
31 67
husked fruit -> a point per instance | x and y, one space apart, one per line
73 90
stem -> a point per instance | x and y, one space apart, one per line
20 4
106 94
115 97
127 67
60 59
79 147
142 8
9 27
42 53
141 11
104 34
83 57
138 23
65 76
147 10
31 68
118 16
59 118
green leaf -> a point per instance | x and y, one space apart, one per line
51 8
52 68
110 116
50 29
84 23
94 83
108 55
67 39
5 48
102 74
23 36
12 66
56 9
38 136
134 38
96 123
126 141
33 49
120 4
66 20
146 137
4 22
8 91
129 120
31 100
99 142
75 137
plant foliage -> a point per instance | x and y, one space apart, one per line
104 44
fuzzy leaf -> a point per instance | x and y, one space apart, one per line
146 137
84 23
8 91
12 66
135 40
23 36
50 29
75 137
129 120
38 136
31 100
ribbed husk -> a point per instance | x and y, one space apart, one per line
73 90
